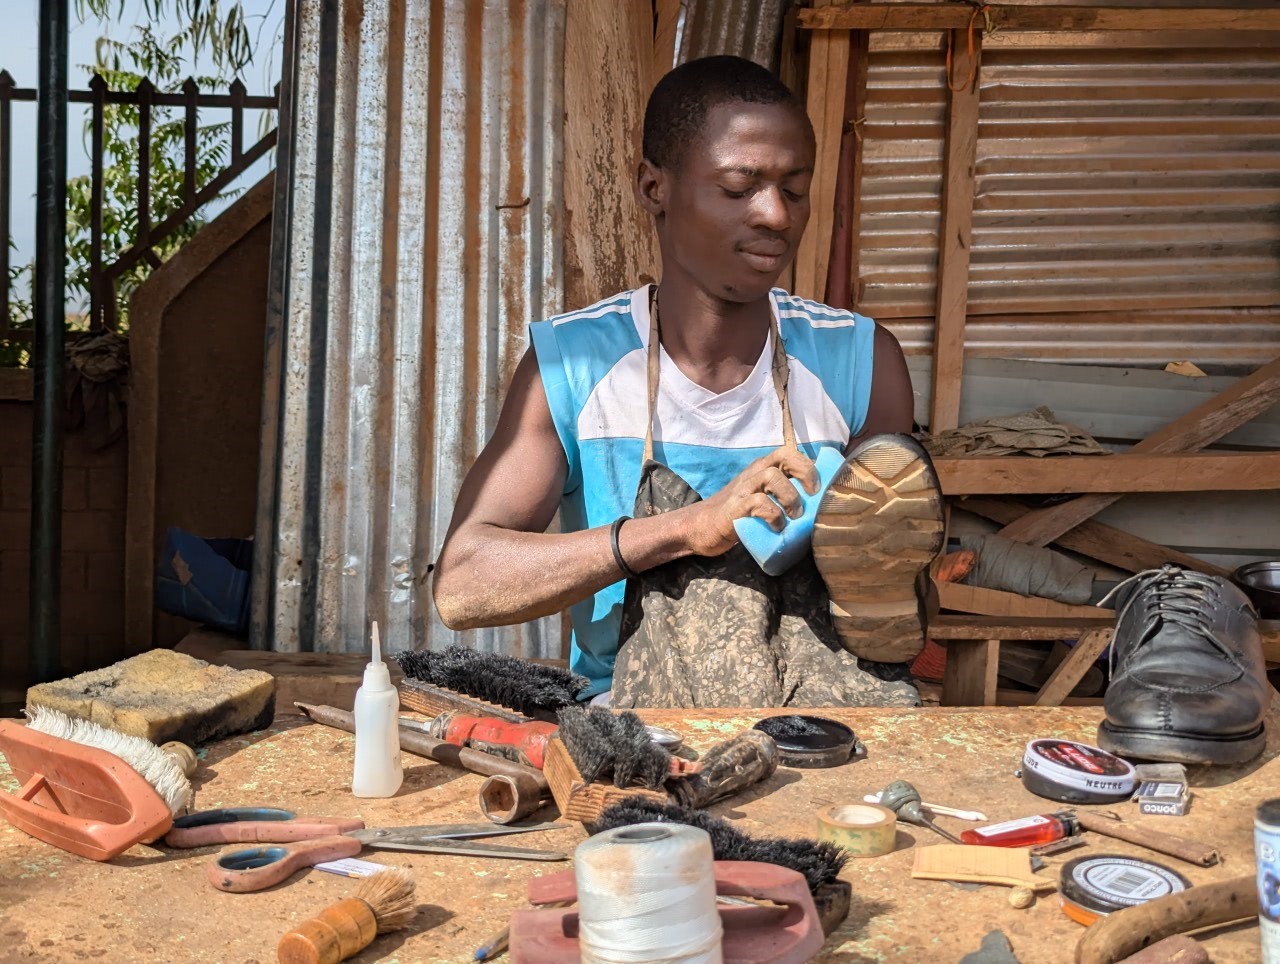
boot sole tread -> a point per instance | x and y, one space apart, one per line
886 504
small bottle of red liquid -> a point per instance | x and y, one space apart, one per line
1028 832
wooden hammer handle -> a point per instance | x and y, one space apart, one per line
1117 936
1192 851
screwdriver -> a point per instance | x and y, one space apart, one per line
904 800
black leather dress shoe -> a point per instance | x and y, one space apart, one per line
1188 683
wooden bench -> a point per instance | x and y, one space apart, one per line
973 652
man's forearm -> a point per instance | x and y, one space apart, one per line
490 576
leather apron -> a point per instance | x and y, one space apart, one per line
716 631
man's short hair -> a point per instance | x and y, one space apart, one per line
678 107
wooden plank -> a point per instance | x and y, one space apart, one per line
993 602
955 16
1072 669
842 266
1097 540
1208 422
1027 475
1007 627
609 240
951 628
1243 523
666 26
1202 426
1122 404
955 233
970 676
828 77
931 693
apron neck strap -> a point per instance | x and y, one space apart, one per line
781 376
781 373
655 335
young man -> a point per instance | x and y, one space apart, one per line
655 419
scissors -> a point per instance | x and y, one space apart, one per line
311 840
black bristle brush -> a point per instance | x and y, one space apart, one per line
517 684
613 745
818 861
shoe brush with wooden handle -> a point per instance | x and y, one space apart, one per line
383 902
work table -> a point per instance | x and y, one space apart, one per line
156 904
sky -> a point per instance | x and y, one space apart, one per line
18 54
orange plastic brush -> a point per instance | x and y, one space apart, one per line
83 798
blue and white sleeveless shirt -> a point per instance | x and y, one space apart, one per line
593 365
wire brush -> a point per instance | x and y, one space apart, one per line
514 683
617 745
818 861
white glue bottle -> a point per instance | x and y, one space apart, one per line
377 770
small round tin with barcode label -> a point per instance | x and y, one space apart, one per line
1266 845
1095 886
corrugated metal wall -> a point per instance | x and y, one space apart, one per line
421 232
1127 205
744 28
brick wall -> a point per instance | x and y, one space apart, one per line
92 550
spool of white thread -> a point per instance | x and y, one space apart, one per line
647 893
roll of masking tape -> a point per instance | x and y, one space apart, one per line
863 829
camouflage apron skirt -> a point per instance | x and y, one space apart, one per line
703 632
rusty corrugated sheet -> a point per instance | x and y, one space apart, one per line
1127 197
423 232
744 28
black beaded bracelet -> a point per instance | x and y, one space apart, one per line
617 552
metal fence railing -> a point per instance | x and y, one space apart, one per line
107 267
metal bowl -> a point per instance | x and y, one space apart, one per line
1261 583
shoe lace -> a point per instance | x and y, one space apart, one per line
1179 598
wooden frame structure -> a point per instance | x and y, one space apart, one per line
1168 461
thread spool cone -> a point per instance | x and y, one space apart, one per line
647 892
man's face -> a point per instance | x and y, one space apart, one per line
733 210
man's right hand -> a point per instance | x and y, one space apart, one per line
763 489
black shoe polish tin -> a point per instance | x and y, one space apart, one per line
1076 773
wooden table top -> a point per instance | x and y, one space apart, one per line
153 904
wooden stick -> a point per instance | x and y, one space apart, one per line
1118 935
1072 669
1192 851
1202 426
1097 540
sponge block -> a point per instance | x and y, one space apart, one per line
163 696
